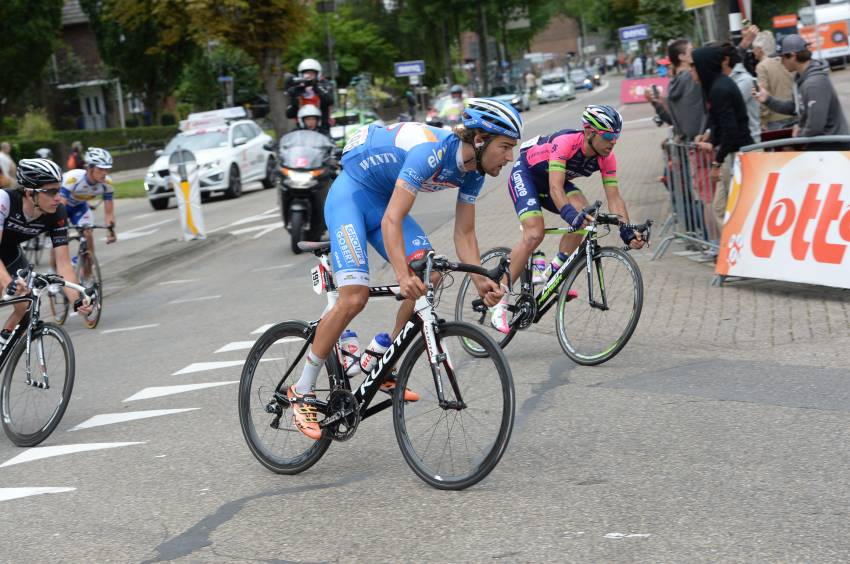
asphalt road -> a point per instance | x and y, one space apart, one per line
651 457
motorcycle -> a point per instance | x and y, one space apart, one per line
307 168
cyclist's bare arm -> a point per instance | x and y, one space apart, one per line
557 179
399 206
109 216
66 271
466 245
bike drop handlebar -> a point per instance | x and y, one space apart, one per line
430 262
37 281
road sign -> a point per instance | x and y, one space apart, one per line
408 68
634 33
695 4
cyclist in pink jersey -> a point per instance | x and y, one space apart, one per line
542 179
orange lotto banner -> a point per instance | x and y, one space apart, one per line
788 218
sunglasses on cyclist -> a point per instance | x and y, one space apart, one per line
50 192
608 135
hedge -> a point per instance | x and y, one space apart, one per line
156 136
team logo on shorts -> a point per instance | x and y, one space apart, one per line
349 245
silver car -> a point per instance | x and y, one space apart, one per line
555 88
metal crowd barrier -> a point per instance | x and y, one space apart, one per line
691 219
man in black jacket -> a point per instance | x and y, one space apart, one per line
308 88
728 122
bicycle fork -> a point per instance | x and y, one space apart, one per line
589 257
44 384
437 355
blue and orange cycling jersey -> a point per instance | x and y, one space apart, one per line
427 159
562 151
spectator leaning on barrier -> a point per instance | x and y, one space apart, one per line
683 108
733 67
814 101
727 120
773 78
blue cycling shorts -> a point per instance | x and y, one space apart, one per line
527 197
353 215
80 215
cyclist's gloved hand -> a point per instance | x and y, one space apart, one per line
12 288
627 234
573 217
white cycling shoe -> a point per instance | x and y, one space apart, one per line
499 318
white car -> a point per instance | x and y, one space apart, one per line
555 88
229 154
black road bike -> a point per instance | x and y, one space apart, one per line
452 437
37 364
598 292
87 269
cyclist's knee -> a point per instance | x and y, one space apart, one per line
352 300
532 232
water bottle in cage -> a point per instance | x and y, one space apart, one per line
375 350
349 351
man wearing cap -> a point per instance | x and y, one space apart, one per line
815 100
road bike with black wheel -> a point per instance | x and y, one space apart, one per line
452 437
598 292
87 269
37 364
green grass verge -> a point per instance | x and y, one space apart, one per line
130 189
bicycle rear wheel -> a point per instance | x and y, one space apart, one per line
448 448
589 333
467 293
30 413
88 261
272 436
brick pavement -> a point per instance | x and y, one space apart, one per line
682 312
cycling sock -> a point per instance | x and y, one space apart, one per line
312 365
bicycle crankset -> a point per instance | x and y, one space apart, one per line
525 309
343 415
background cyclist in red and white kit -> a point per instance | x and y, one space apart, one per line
542 179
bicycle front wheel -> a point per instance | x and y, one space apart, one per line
31 411
464 311
455 445
597 314
88 273
268 424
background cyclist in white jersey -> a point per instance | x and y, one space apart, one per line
83 185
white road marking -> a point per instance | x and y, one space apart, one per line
265 228
627 536
144 215
112 418
631 121
268 230
159 391
251 219
16 493
141 231
200 299
38 453
236 346
136 328
244 345
203 366
262 328
183 281
265 268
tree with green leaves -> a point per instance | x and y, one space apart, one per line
138 42
263 29
666 18
199 86
28 30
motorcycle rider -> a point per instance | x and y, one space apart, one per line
309 117
452 110
309 88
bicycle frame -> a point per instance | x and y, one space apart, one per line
28 324
423 321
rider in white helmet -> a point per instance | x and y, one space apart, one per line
310 89
309 117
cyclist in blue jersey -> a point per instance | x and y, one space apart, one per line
80 186
384 168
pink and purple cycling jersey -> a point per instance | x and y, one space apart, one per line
561 151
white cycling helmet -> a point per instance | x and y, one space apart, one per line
35 173
310 65
308 110
98 157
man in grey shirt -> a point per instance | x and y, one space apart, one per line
815 100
